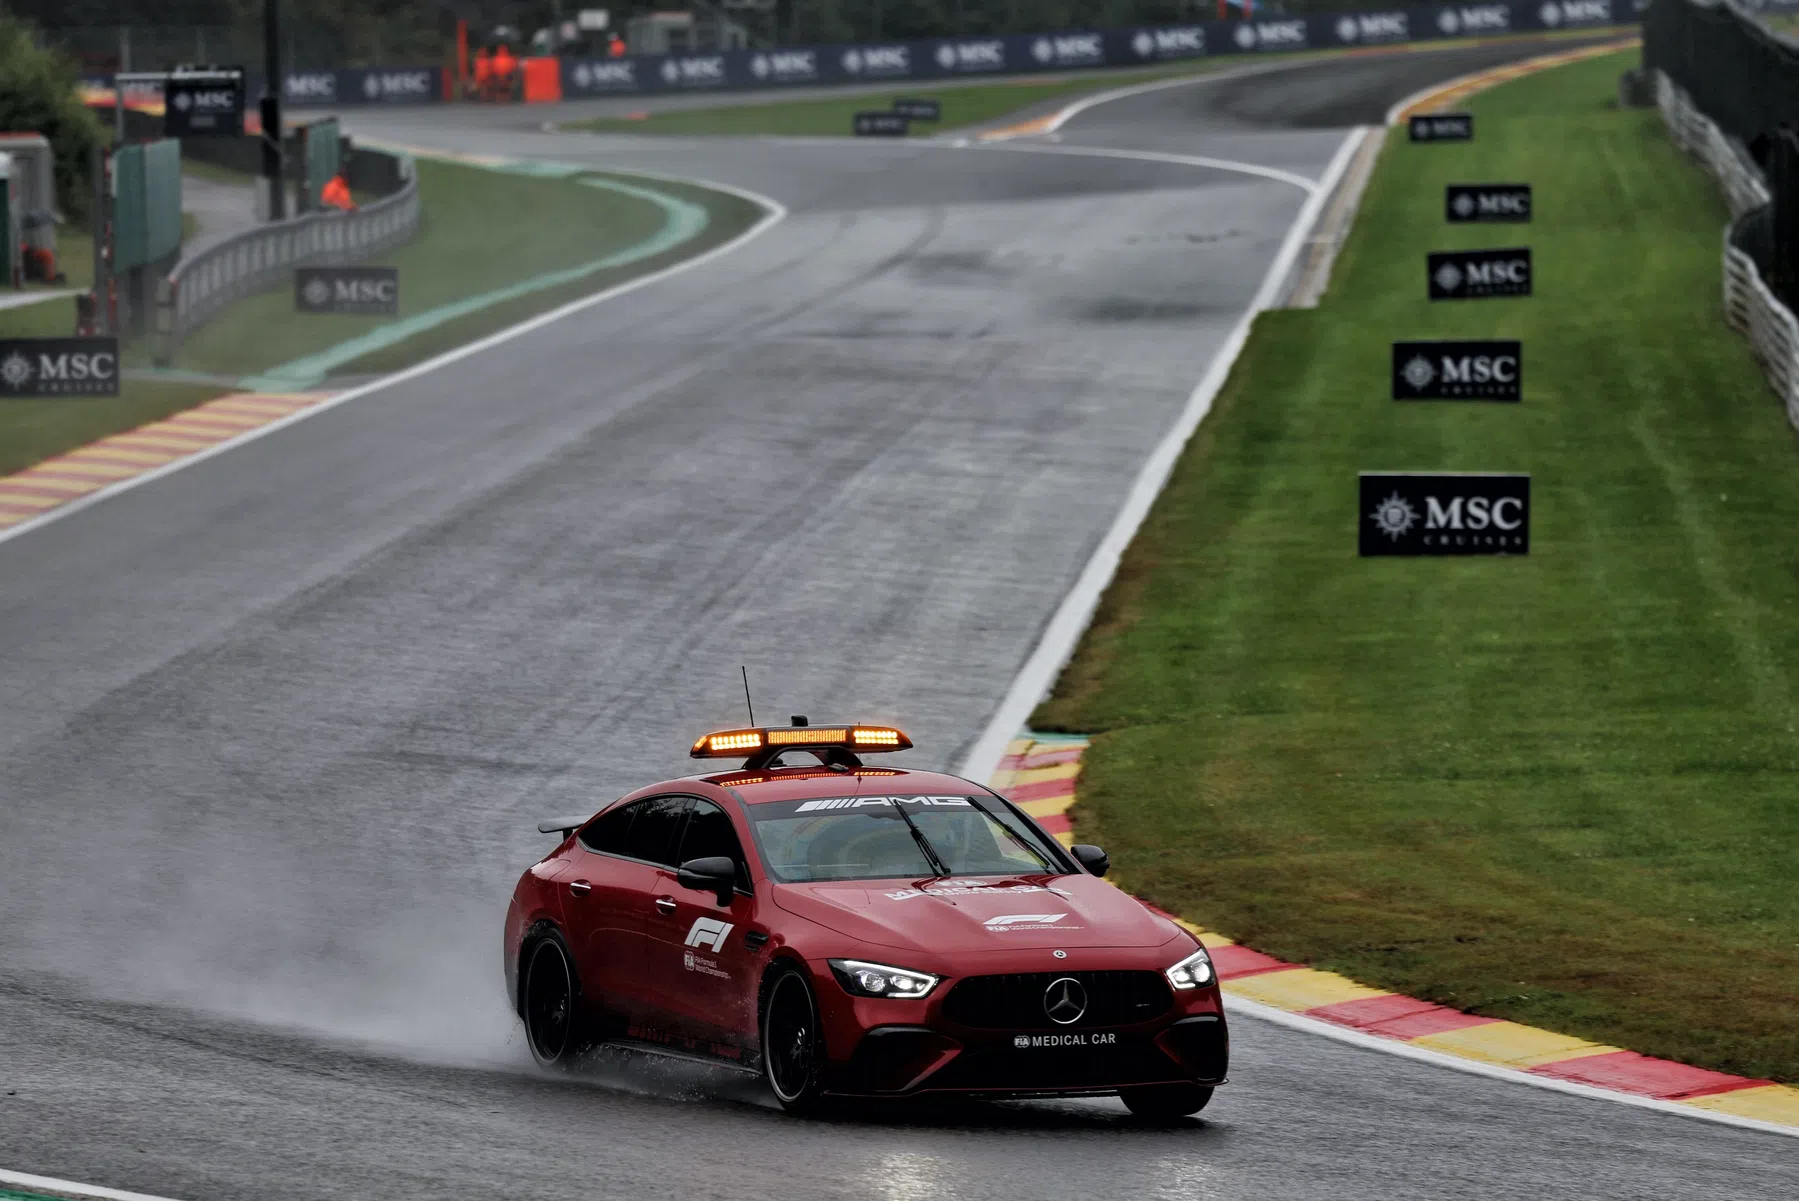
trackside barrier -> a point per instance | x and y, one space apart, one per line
264 257
1749 304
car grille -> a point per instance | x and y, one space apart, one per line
1015 1002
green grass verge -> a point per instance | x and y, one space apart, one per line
834 116
1561 789
481 230
35 429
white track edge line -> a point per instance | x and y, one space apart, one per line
1474 1067
52 1184
1069 622
1156 156
774 213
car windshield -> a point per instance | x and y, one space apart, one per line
864 838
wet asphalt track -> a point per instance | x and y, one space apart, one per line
274 729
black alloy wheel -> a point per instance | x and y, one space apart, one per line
549 999
1165 1102
792 1048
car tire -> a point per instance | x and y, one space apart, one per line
1164 1102
792 1044
549 1000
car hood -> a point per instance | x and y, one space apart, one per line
965 914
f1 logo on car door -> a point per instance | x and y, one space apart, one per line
708 932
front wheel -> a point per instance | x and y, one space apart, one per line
792 1046
1165 1101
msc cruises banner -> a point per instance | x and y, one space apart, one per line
964 57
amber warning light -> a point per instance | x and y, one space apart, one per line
736 744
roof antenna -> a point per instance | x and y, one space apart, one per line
749 704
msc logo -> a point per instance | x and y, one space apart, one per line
602 75
366 290
1487 202
59 367
311 85
1408 514
1556 13
694 72
396 85
1475 18
1180 42
1458 371
1373 27
785 64
708 932
878 60
1479 274
972 56
1269 35
1065 49
1441 127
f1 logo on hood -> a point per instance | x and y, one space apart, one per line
1014 921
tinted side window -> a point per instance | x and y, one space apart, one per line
610 831
709 832
653 834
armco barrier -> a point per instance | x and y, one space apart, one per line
1749 305
265 257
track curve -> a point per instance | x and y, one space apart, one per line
274 729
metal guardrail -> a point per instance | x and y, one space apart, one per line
264 257
1749 304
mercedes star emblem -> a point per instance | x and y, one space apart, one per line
1065 1001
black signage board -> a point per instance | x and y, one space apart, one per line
1441 127
1465 202
1416 513
372 291
1478 274
58 367
1458 371
881 125
914 109
207 103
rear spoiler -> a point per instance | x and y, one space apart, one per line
561 825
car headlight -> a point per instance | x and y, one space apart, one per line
1192 972
861 979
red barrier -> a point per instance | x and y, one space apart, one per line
543 80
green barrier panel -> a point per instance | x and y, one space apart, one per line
146 211
323 157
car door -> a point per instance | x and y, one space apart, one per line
607 890
704 958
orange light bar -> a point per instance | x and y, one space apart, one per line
808 736
728 744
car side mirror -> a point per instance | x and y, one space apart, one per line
716 874
1091 858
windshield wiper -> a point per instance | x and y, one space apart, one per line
1014 835
924 844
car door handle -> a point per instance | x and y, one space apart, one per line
580 888
666 904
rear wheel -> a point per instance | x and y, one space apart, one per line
792 1048
1165 1101
550 1002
